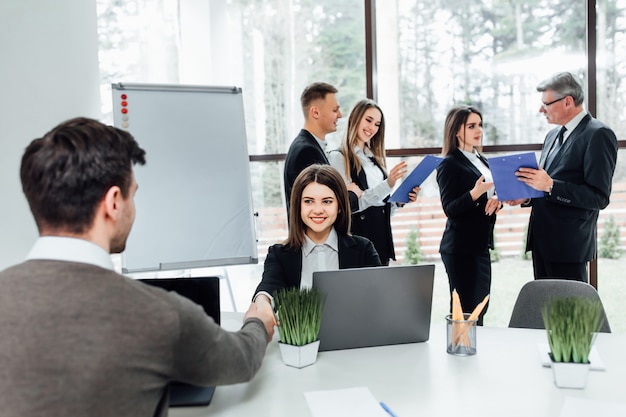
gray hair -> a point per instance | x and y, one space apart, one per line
564 84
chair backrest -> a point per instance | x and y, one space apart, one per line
534 294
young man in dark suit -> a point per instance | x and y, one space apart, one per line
576 171
321 113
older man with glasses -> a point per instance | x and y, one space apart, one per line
576 171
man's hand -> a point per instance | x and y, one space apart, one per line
536 178
262 310
516 202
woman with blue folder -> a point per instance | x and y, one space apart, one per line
362 164
468 200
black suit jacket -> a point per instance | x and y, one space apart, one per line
303 152
563 222
283 265
468 229
374 222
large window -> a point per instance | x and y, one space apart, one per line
434 54
430 55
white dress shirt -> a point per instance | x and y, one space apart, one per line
378 189
70 249
571 125
319 257
484 170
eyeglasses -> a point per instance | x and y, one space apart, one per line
545 105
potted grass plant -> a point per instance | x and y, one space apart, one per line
299 312
571 324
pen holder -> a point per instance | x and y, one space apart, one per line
461 336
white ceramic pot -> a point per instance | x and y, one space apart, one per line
570 375
299 356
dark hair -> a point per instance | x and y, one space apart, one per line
66 173
325 175
377 142
563 84
456 118
315 91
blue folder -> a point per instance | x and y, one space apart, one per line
508 187
415 178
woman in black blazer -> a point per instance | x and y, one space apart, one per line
319 227
468 200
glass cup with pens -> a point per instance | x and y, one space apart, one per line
461 328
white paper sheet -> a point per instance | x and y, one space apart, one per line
357 401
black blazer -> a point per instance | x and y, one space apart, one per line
283 266
303 152
468 229
374 222
563 223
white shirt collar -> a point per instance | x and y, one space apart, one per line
70 250
321 142
332 241
571 125
365 151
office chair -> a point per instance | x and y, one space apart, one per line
534 294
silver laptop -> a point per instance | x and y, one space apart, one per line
375 306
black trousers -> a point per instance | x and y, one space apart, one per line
470 275
544 269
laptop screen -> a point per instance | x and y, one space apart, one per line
204 291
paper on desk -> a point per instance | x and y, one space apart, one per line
357 401
415 178
583 407
503 169
596 363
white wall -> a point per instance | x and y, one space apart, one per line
49 73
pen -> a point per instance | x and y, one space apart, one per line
388 410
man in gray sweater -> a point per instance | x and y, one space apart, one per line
78 339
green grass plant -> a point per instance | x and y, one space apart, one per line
571 324
299 312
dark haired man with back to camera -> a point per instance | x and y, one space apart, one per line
576 171
321 112
78 339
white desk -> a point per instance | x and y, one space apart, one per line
505 377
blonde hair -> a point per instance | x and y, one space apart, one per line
376 145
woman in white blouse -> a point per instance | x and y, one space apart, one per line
362 164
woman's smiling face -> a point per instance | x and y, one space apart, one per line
318 211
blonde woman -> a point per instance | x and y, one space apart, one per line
362 164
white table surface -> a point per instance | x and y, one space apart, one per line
505 377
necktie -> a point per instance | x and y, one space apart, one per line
556 146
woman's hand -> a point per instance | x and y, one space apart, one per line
480 188
355 189
413 194
396 173
493 206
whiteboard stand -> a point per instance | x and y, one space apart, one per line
225 277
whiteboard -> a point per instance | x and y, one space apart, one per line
194 201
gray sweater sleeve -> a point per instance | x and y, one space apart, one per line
206 354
